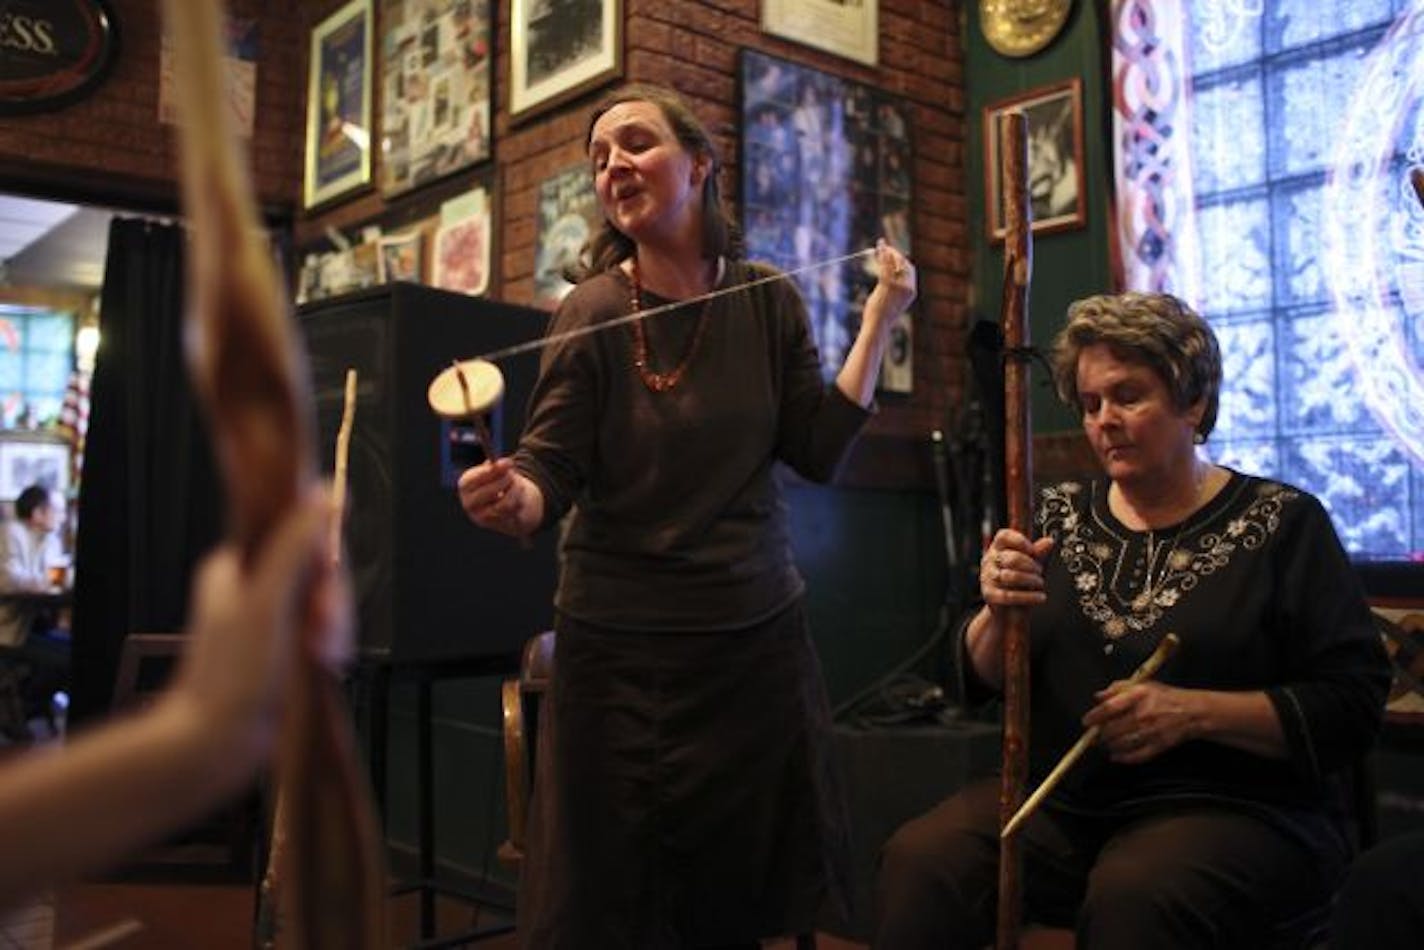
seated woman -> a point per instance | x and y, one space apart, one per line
1208 813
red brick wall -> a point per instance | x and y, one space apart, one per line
111 143
114 135
692 45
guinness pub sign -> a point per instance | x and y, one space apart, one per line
52 52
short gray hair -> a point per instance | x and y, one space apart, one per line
1156 330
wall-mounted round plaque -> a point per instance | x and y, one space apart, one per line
1022 27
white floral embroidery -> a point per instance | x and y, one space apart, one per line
1093 554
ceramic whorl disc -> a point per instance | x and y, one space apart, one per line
448 398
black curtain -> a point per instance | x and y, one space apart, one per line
149 502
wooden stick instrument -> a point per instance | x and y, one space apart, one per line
249 372
269 894
1146 671
1018 478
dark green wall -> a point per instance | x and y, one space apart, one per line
1068 264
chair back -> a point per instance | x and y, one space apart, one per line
522 700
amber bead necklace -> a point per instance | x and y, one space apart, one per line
642 354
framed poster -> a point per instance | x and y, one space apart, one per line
33 458
826 172
338 154
848 29
435 90
568 213
560 49
1057 197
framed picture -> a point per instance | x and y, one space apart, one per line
560 49
338 156
836 26
568 213
401 257
33 458
462 244
435 90
1057 197
826 171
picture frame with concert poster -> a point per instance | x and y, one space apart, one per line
1057 195
338 145
436 101
568 213
826 172
561 49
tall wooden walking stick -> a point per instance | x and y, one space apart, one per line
1018 479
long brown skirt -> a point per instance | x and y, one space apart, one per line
685 793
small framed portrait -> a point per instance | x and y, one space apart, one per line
435 80
560 49
338 153
1057 197
401 257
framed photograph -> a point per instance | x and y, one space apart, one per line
848 29
401 257
1057 197
826 172
435 90
338 156
33 458
560 49
568 213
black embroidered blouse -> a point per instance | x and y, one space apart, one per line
1260 591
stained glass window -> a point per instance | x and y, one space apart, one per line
36 358
1276 87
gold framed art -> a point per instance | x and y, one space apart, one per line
338 147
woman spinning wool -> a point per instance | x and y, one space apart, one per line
1209 813
688 800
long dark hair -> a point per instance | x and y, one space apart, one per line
608 246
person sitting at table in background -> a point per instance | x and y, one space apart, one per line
1209 812
690 798
71 809
29 551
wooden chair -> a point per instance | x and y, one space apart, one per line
145 662
221 847
523 700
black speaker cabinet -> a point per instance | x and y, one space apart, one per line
430 585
